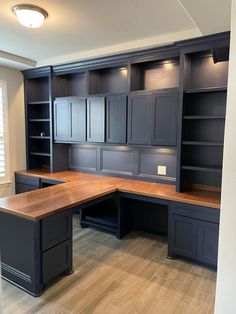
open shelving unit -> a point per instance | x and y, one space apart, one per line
154 75
38 112
203 121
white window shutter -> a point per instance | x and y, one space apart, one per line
3 100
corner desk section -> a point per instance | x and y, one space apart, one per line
36 226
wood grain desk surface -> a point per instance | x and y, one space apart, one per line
80 188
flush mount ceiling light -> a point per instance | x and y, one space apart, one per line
30 15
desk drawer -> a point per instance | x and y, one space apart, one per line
27 180
57 260
196 212
56 229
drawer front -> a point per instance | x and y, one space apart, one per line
196 212
56 229
27 180
22 188
57 260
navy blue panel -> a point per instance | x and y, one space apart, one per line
83 158
115 160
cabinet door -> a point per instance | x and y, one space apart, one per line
78 119
116 119
22 188
96 119
61 119
165 118
184 236
207 244
140 110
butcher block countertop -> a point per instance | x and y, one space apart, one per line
80 188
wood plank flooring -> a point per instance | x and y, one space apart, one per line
114 276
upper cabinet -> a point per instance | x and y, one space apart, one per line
165 118
152 118
140 113
70 119
96 119
116 111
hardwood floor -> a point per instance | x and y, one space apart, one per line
128 276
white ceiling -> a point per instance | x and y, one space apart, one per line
78 29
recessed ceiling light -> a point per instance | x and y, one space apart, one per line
30 15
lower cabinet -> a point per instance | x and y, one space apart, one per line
26 183
193 233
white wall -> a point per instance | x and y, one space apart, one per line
15 91
226 275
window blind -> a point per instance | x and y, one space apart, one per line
2 129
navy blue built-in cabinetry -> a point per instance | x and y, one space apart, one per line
193 232
164 97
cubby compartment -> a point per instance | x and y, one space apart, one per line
155 75
37 160
203 73
204 130
38 89
102 215
200 179
39 146
200 157
39 127
205 105
70 85
108 80
39 110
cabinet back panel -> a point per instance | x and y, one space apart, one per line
205 73
202 155
39 111
37 145
202 178
155 75
38 89
205 104
117 161
35 128
39 162
83 158
204 130
70 85
113 80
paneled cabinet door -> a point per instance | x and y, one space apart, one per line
165 118
207 247
116 107
77 119
61 119
184 236
96 119
140 109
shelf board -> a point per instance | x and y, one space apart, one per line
39 120
196 167
38 102
40 137
40 154
206 90
202 143
202 117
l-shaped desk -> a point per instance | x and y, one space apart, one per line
36 226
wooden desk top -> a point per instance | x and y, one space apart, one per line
80 188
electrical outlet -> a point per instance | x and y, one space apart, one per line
161 170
